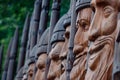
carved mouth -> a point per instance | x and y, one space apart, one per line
100 43
79 56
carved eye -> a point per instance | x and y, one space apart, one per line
84 24
77 24
67 34
41 65
43 70
107 11
30 74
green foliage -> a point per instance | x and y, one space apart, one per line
13 13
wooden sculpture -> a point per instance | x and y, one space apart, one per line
57 41
41 54
84 14
64 51
102 35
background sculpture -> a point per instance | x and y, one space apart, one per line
55 14
57 41
81 39
64 51
41 53
31 63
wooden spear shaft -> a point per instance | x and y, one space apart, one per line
35 23
12 57
70 57
54 18
24 40
43 18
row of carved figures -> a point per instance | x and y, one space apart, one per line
82 45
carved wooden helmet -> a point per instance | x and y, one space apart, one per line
25 67
82 4
59 30
43 43
67 21
32 55
19 75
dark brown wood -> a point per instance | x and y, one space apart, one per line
12 57
4 74
24 40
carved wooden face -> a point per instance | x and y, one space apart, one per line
63 54
102 35
54 69
104 24
81 44
41 66
105 19
31 71
83 24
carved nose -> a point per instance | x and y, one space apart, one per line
50 76
63 55
77 49
54 55
93 35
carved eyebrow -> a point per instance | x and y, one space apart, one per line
105 2
30 70
100 2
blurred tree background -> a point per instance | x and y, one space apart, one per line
13 13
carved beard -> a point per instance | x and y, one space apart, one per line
101 59
79 70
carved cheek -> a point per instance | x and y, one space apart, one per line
109 24
64 48
38 75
